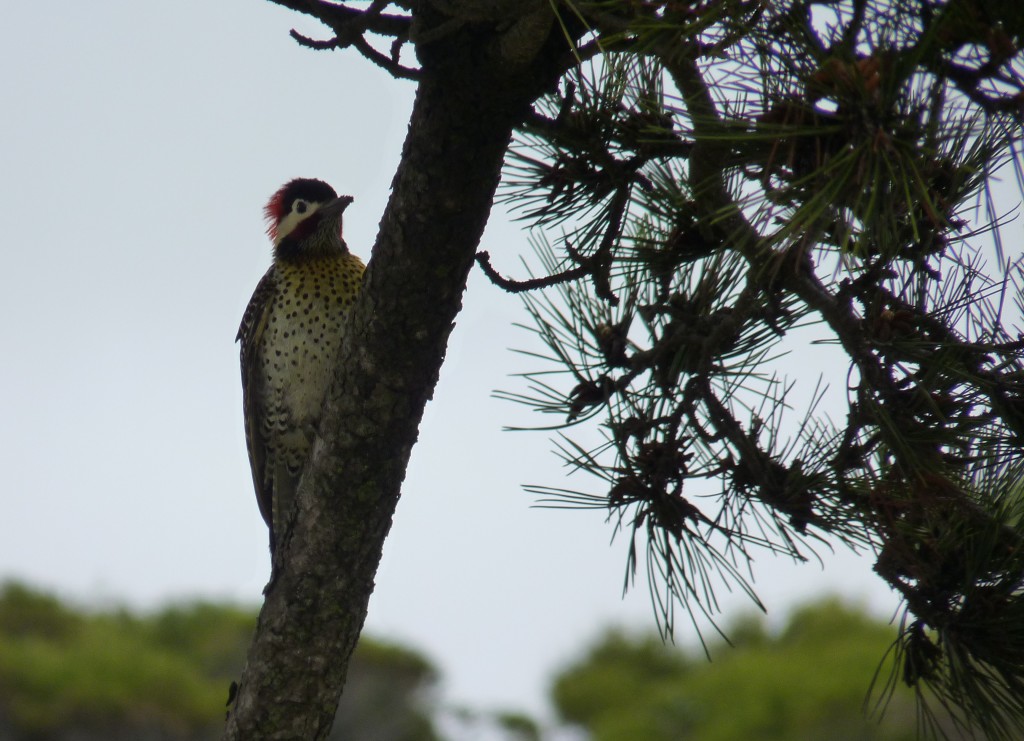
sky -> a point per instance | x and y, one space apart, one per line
139 144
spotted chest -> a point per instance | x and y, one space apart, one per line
300 341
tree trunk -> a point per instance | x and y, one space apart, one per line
468 101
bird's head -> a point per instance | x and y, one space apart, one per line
304 217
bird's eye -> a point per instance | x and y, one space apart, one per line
300 206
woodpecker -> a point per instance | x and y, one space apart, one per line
290 335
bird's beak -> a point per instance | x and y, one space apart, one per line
336 207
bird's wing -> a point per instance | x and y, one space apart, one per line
250 334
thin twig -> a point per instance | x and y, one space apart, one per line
520 286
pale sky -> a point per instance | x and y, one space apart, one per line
139 144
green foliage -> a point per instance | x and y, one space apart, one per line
105 672
807 683
388 695
212 636
118 675
616 664
27 612
518 726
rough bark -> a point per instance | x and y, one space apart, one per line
469 99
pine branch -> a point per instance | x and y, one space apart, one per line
831 195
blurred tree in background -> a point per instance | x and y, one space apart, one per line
81 675
85 675
806 683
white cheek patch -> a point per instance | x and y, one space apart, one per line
292 220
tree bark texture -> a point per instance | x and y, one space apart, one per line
469 99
